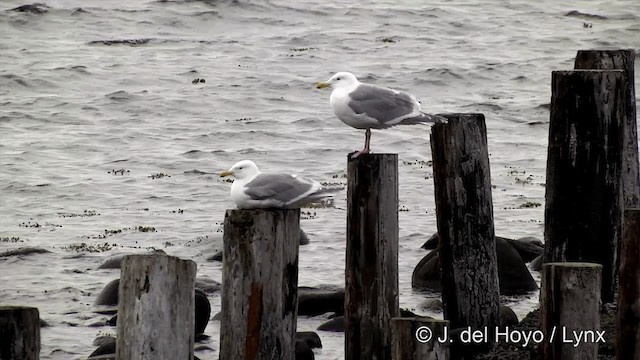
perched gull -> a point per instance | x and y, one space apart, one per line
366 106
253 189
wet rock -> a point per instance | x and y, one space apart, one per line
313 301
432 304
109 295
528 247
207 285
581 15
334 325
432 243
109 348
311 338
44 324
536 264
35 8
104 339
507 317
304 239
514 277
303 351
23 251
203 311
216 257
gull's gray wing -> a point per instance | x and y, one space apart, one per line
280 187
382 104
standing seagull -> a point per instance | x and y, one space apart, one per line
366 106
253 189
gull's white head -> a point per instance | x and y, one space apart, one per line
245 169
342 79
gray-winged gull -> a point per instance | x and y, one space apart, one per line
366 106
253 189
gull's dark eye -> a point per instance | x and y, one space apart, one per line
337 78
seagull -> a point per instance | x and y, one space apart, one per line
366 106
253 189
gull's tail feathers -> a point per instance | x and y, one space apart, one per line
424 118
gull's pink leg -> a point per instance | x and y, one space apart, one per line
367 138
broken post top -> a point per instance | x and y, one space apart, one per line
369 157
16 307
246 215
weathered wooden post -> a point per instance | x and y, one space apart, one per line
155 308
583 200
19 333
628 317
621 60
371 272
260 284
570 310
464 211
419 338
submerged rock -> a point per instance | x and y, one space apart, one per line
23 251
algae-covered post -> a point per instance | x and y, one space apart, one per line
19 333
583 200
155 308
628 321
621 60
464 211
417 338
570 311
371 270
260 284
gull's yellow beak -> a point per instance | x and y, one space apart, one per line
322 85
226 173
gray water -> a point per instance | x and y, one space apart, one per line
74 111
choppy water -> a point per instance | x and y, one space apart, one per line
76 108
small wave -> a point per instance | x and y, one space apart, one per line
119 95
15 79
195 172
129 42
581 15
35 8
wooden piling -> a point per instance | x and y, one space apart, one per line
19 333
464 212
621 60
371 271
260 284
628 316
155 308
570 307
419 338
583 200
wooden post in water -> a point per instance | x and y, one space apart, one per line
583 200
371 271
19 333
621 60
155 308
417 338
628 317
464 211
570 301
260 284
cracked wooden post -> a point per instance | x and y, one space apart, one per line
584 197
464 212
417 338
155 308
628 317
570 307
260 284
621 60
19 333
371 270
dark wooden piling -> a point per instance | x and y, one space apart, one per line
260 284
628 316
155 308
419 338
19 333
621 60
371 271
464 211
583 200
570 307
